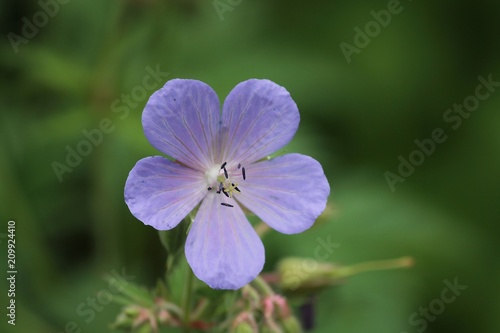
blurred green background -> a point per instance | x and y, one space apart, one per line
357 118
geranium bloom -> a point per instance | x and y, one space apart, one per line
220 162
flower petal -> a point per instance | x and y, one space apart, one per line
222 248
258 118
180 120
287 192
161 193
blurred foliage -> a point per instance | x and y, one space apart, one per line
357 119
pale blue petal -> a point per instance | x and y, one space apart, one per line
258 118
181 120
288 192
161 193
222 248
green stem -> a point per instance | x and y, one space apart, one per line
403 262
171 307
200 308
186 306
262 286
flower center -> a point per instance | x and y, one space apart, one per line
222 180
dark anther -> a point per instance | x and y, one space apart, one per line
223 165
209 189
237 189
243 173
225 193
225 173
225 204
218 192
239 165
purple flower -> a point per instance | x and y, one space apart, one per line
221 162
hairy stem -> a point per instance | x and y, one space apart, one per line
186 302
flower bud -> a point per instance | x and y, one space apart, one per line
244 322
305 275
291 325
125 319
145 328
132 311
243 327
271 329
163 316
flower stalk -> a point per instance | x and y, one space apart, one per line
186 302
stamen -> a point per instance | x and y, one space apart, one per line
239 165
225 193
234 187
225 173
225 204
243 173
209 189
223 165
